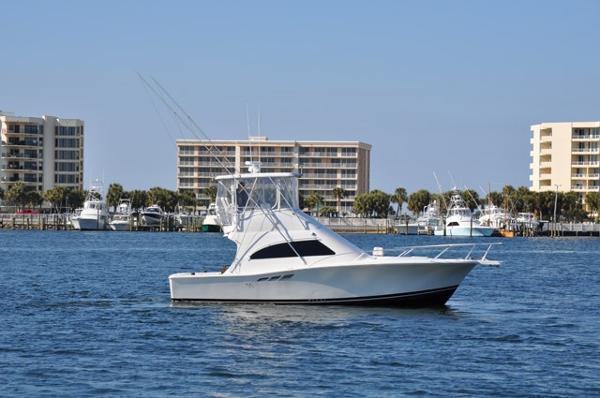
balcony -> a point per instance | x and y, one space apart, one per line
16 155
327 166
585 150
545 164
585 163
584 137
578 188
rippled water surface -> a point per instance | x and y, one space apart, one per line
89 314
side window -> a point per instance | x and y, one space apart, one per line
304 248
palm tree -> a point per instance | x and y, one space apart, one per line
399 197
339 193
314 200
211 192
114 195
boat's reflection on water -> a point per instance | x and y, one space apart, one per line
315 314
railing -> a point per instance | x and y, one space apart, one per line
585 150
585 163
585 136
444 248
328 165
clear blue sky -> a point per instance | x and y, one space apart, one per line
445 86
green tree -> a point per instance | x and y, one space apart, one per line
33 198
16 194
494 198
418 200
592 200
211 192
327 211
471 198
75 198
56 196
399 197
339 193
507 192
314 201
138 198
114 195
571 207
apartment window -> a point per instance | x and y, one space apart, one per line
29 129
67 155
68 167
66 179
15 128
66 142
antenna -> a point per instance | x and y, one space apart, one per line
452 179
440 189
258 128
248 129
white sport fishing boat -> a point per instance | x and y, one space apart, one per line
461 222
93 215
285 256
121 220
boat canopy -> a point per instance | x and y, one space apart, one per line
242 193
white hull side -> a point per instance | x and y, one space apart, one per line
75 223
466 231
91 224
150 221
119 225
352 283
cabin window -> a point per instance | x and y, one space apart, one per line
304 248
453 224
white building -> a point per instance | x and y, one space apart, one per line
565 156
41 152
324 165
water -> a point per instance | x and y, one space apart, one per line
84 314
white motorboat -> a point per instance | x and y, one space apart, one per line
211 222
285 256
527 220
121 220
93 215
495 217
74 218
461 222
429 220
152 216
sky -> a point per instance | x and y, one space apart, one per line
450 87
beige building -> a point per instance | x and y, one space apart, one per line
566 155
324 165
41 152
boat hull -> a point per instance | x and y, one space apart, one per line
91 224
211 228
151 220
119 226
466 231
423 284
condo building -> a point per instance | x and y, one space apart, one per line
565 156
324 165
41 152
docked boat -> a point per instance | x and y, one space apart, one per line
121 220
429 220
211 222
152 216
527 221
285 256
74 218
94 213
460 221
495 217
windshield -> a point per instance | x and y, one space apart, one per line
246 194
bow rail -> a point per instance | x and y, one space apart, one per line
443 248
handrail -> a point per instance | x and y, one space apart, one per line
445 247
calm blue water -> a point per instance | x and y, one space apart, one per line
84 314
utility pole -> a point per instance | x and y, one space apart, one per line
555 203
